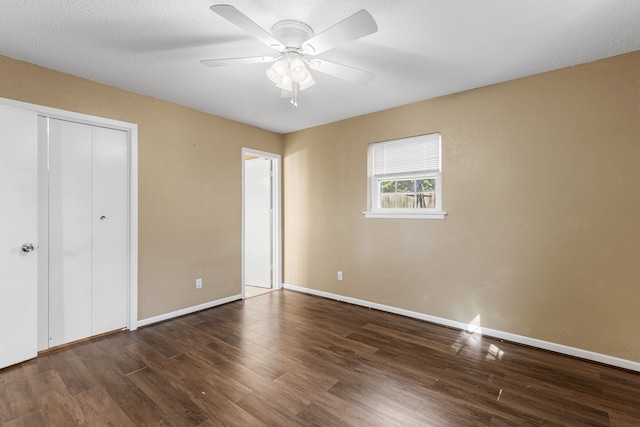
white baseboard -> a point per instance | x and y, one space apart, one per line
188 310
520 339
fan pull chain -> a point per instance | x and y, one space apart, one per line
295 88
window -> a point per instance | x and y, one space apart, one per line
405 179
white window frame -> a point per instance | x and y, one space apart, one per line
373 199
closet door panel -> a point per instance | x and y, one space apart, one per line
110 229
69 231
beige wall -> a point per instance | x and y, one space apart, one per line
189 183
541 180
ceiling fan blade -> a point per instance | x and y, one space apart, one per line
358 25
239 19
343 72
236 61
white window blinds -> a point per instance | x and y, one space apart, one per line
408 156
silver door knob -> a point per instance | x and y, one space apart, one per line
28 247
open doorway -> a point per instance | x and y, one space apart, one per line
260 222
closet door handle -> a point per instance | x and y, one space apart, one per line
102 218
28 247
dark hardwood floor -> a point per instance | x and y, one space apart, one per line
288 359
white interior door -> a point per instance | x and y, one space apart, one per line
69 231
110 231
88 231
257 222
18 226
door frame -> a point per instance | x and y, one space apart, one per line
132 131
276 221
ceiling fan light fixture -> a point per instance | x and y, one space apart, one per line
277 72
308 82
299 72
274 76
285 83
286 72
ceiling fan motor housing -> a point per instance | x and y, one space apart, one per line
292 33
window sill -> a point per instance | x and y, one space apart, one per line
405 215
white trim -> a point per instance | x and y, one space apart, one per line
56 113
132 130
398 215
276 274
188 310
132 323
519 339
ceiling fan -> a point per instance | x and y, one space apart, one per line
294 40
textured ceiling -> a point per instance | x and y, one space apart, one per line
423 49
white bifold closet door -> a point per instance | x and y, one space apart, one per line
88 230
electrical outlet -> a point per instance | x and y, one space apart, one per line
198 283
339 275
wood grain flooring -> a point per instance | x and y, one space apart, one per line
288 359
